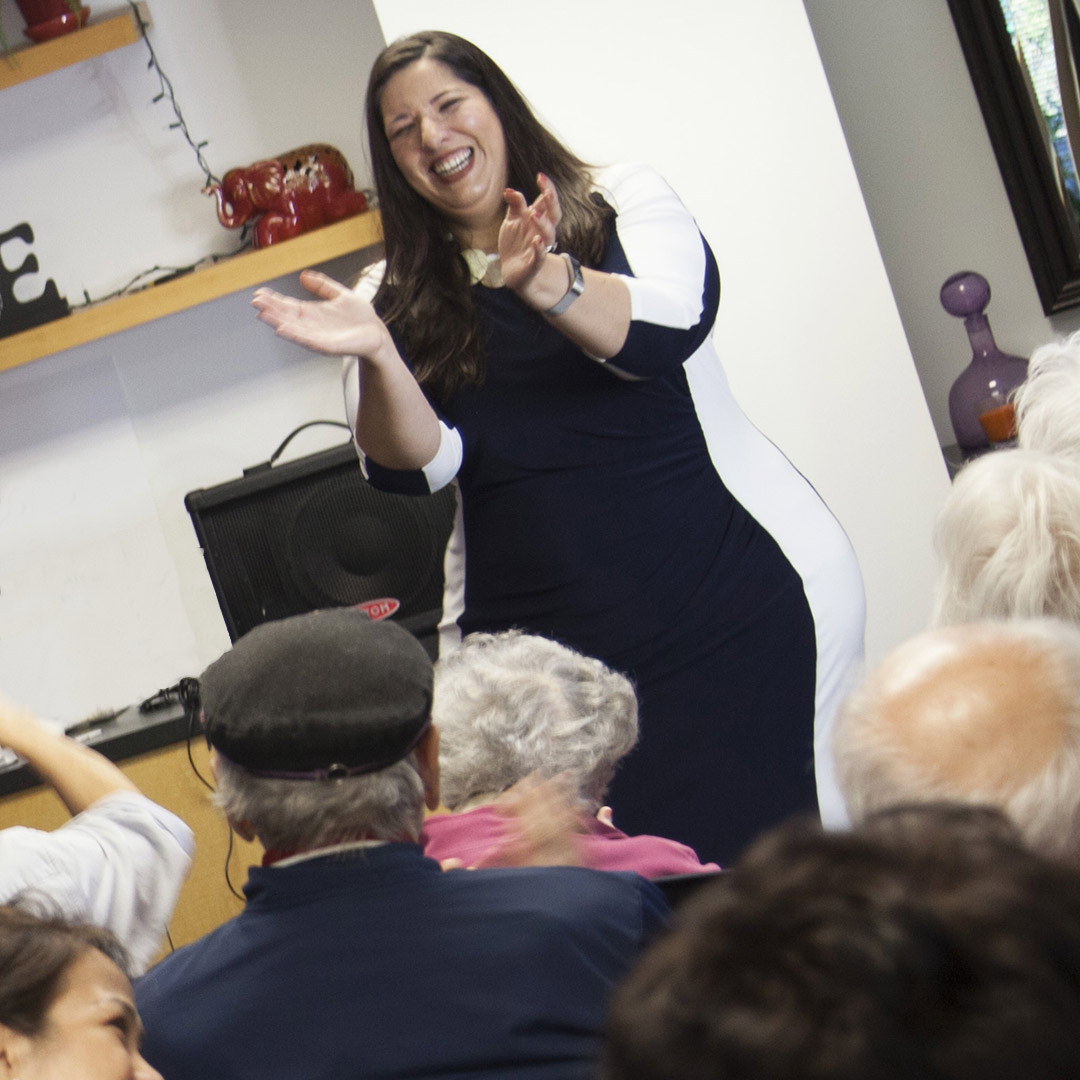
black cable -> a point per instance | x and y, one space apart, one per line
296 431
265 466
228 876
191 704
167 91
168 274
195 768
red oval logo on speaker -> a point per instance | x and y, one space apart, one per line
380 609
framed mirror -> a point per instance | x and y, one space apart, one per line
1022 55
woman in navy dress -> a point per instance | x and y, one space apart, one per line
540 333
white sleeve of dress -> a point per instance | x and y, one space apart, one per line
119 864
662 243
674 283
442 468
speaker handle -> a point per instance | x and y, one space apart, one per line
264 466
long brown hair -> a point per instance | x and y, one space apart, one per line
426 295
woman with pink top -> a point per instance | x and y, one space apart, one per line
513 705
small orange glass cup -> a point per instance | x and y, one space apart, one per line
998 419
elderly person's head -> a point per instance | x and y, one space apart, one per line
1008 538
321 731
979 712
511 704
66 1005
1048 401
929 943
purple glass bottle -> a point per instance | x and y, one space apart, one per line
982 389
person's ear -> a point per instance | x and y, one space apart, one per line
14 1052
244 829
427 762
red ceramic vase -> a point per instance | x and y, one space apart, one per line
46 19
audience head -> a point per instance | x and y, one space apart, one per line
982 713
1008 537
1048 401
511 704
930 942
321 730
66 1005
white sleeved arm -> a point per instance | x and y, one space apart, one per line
441 469
673 282
119 864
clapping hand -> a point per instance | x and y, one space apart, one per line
527 233
340 323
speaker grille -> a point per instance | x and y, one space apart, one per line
313 534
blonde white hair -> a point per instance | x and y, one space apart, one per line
1008 539
1048 402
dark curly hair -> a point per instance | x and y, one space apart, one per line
425 295
928 942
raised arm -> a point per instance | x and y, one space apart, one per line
651 319
79 775
395 426
598 320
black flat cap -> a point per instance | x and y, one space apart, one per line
330 693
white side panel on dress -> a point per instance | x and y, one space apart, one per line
786 505
663 246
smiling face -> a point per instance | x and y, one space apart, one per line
91 1031
449 145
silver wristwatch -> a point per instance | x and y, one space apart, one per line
577 286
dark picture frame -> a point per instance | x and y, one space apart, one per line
1048 233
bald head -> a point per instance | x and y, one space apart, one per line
979 712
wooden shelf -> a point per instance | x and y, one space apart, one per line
92 40
228 276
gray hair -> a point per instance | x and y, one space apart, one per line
298 815
1048 401
1008 537
876 771
510 704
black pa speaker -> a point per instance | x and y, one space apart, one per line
312 533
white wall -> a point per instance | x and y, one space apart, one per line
930 180
728 99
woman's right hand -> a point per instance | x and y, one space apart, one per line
340 323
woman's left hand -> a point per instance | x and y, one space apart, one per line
527 233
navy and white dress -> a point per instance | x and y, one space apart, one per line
629 509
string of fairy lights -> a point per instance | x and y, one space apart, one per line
157 274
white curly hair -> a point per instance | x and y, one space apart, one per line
1008 538
511 703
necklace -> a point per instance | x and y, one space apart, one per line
483 268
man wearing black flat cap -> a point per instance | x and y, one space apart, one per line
355 955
